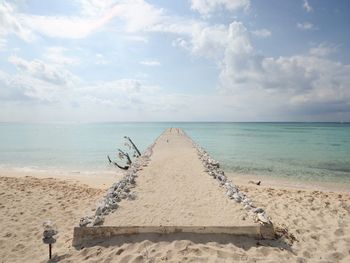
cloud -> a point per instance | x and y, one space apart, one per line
206 7
150 63
36 80
135 15
305 26
323 50
136 38
262 33
10 24
298 80
43 71
288 83
61 26
307 7
56 55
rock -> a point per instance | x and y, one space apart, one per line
246 201
229 192
221 172
132 196
258 210
84 221
131 180
100 209
123 195
236 197
222 178
98 220
113 205
262 217
247 207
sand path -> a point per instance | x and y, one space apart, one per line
174 190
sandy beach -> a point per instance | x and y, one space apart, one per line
313 224
317 220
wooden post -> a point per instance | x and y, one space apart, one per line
50 251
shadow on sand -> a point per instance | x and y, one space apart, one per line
240 241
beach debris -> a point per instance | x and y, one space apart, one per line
118 191
253 182
137 153
116 164
212 167
50 231
122 155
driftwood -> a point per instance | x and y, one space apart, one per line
124 155
116 164
133 146
252 182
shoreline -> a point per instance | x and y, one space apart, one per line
281 182
97 179
103 179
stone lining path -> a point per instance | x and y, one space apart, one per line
175 190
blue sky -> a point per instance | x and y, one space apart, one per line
195 60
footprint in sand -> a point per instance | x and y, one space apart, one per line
339 232
336 256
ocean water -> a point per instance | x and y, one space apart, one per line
307 151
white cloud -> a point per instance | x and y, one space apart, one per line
10 24
95 7
307 7
136 38
46 72
305 26
262 33
56 55
206 7
207 41
323 50
150 63
135 15
37 80
300 81
61 26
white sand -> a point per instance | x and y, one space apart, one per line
320 221
174 190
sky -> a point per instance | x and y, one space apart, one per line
190 60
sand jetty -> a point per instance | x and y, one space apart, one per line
176 187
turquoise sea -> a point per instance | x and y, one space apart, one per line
310 151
